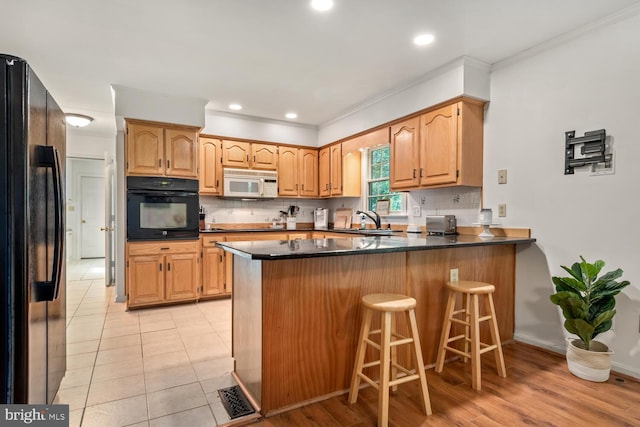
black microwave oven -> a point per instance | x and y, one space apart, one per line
162 208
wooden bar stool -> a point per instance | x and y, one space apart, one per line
387 305
471 320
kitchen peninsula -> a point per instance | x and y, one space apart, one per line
296 303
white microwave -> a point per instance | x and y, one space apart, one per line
250 184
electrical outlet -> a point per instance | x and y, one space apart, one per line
453 275
417 211
502 210
502 176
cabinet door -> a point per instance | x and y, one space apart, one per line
181 276
324 171
145 275
403 156
235 154
308 172
145 150
210 171
439 146
336 170
212 271
288 171
264 156
181 148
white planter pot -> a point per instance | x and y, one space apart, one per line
593 364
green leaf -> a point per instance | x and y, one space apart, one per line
585 330
568 284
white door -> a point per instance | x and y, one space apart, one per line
92 217
109 220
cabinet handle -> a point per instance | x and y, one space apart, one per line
159 267
254 159
220 258
414 173
217 183
421 173
168 266
247 157
168 164
159 163
302 187
164 249
212 242
296 187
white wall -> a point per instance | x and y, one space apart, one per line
238 126
83 144
464 76
587 83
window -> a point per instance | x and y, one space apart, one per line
378 182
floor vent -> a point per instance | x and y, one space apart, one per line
235 402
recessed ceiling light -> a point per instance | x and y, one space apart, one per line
291 116
322 5
77 120
235 107
423 39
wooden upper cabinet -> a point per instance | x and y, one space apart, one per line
439 145
324 172
181 149
145 150
336 170
288 171
264 156
451 145
236 154
210 170
404 155
161 150
248 155
297 172
308 172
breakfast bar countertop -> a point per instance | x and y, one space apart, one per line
309 248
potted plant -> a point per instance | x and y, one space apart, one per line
588 305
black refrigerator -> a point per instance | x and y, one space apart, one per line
32 297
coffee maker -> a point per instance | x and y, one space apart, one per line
320 218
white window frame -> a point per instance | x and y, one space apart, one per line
366 175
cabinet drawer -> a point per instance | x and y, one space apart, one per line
210 241
146 248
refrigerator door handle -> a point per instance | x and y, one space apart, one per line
47 290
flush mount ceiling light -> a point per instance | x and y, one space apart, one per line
322 5
291 116
235 107
78 120
423 39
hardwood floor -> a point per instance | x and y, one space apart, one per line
538 391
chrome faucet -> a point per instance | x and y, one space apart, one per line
375 220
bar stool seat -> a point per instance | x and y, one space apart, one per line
387 305
469 316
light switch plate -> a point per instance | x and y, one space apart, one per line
502 210
502 176
417 210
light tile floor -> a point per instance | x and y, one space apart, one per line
151 367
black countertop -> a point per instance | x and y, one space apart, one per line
309 248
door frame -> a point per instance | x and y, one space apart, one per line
79 178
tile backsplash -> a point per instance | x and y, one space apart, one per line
463 202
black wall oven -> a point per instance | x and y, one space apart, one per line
161 208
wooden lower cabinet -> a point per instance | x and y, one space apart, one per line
162 272
214 283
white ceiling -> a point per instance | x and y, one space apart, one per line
272 56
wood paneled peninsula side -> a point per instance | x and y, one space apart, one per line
297 313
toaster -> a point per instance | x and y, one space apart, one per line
441 224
